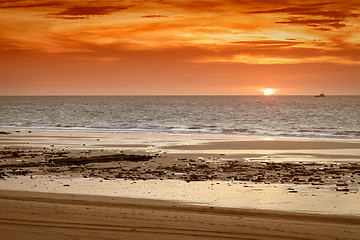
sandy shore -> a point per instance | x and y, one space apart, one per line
59 216
72 185
235 194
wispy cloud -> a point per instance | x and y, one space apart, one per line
90 10
26 4
317 23
269 43
69 10
320 16
155 16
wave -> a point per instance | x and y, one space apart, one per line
190 130
333 117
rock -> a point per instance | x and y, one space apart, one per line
342 184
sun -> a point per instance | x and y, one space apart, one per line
269 91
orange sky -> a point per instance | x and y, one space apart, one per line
113 47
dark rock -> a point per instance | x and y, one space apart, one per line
342 184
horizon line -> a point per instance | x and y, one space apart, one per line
165 95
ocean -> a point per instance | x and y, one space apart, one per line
282 116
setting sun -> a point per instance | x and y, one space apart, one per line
269 91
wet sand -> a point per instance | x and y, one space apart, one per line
59 216
236 194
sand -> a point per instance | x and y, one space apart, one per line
27 215
235 194
191 187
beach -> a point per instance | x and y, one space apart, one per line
57 216
225 186
179 120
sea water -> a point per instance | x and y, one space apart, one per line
288 116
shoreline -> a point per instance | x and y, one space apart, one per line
8 130
169 140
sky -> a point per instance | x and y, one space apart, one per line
161 47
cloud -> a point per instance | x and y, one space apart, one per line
334 23
321 16
20 4
89 11
197 6
319 9
155 16
323 29
69 10
71 18
269 43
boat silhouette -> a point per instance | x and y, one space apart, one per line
320 95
